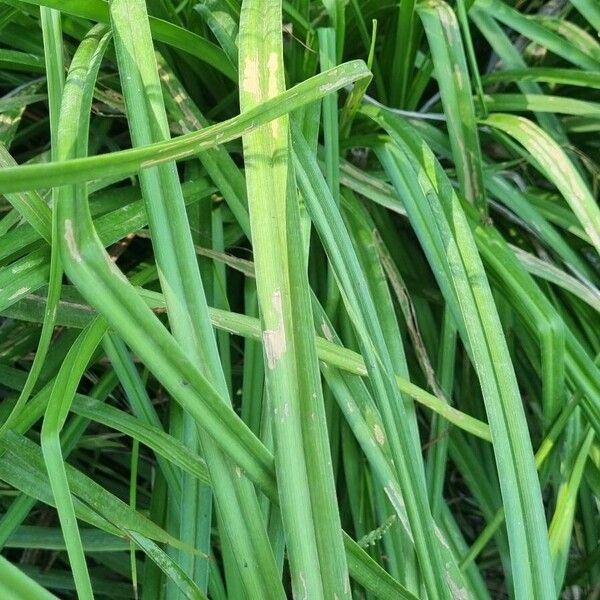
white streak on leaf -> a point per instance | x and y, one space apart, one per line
70 239
440 536
303 580
19 293
379 436
458 592
326 331
274 339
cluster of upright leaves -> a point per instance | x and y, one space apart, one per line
277 322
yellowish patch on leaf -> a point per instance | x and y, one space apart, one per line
274 339
326 331
70 239
251 80
19 293
379 435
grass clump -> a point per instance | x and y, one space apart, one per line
299 299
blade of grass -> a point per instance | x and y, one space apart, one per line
26 471
309 512
20 508
482 332
178 37
555 75
77 315
364 570
579 367
153 437
443 34
589 10
127 162
557 167
536 32
572 34
29 204
51 538
239 515
512 59
548 445
403 55
217 162
550 272
53 51
359 305
141 405
14 584
562 521
56 413
541 103
89 57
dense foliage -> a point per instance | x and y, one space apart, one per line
299 298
